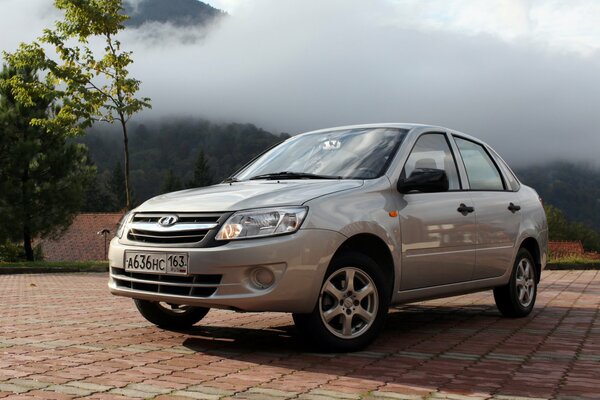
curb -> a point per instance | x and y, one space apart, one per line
50 270
578 267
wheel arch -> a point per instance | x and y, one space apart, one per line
375 248
532 245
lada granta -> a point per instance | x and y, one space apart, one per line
335 226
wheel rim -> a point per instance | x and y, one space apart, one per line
174 309
525 282
348 303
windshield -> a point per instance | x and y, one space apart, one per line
341 154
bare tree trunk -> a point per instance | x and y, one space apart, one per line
126 151
27 243
25 202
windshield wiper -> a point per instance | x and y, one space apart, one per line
230 180
293 175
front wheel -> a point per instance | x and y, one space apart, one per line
170 316
517 298
352 305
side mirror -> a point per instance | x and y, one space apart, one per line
426 180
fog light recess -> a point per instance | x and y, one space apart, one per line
261 278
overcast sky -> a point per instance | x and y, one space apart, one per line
522 75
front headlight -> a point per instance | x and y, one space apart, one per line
122 223
262 222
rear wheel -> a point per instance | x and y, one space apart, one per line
517 298
352 305
170 316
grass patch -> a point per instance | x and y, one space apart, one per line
573 262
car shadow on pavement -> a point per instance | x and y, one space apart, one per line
406 320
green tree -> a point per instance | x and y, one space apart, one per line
97 197
171 183
202 173
94 85
116 187
560 228
42 177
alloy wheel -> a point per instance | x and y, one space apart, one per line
348 303
525 283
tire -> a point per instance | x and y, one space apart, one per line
517 298
170 316
347 318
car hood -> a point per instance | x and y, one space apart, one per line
247 194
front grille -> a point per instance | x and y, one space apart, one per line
192 285
189 228
191 236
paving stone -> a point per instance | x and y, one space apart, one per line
210 390
147 388
393 396
66 389
454 396
310 396
272 392
132 393
334 395
30 383
460 356
196 395
89 386
10 387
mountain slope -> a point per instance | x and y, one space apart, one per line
575 189
177 12
173 145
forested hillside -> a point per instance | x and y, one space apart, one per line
574 189
173 146
164 155
177 12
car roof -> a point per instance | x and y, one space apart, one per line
417 128
400 125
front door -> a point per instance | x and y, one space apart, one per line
438 229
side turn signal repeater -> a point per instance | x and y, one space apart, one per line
393 214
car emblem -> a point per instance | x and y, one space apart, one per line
168 220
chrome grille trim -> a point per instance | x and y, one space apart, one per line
193 286
178 227
183 217
166 283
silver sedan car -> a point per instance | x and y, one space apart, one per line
335 226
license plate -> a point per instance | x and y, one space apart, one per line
156 263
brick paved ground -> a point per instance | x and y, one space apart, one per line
65 336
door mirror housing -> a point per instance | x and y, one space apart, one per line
426 180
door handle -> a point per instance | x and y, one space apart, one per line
464 209
513 208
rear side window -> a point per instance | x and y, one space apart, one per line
481 170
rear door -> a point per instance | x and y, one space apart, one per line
497 209
438 240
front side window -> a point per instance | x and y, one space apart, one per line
432 151
342 154
481 170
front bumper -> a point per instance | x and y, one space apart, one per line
298 263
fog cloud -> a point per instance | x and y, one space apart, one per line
528 87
